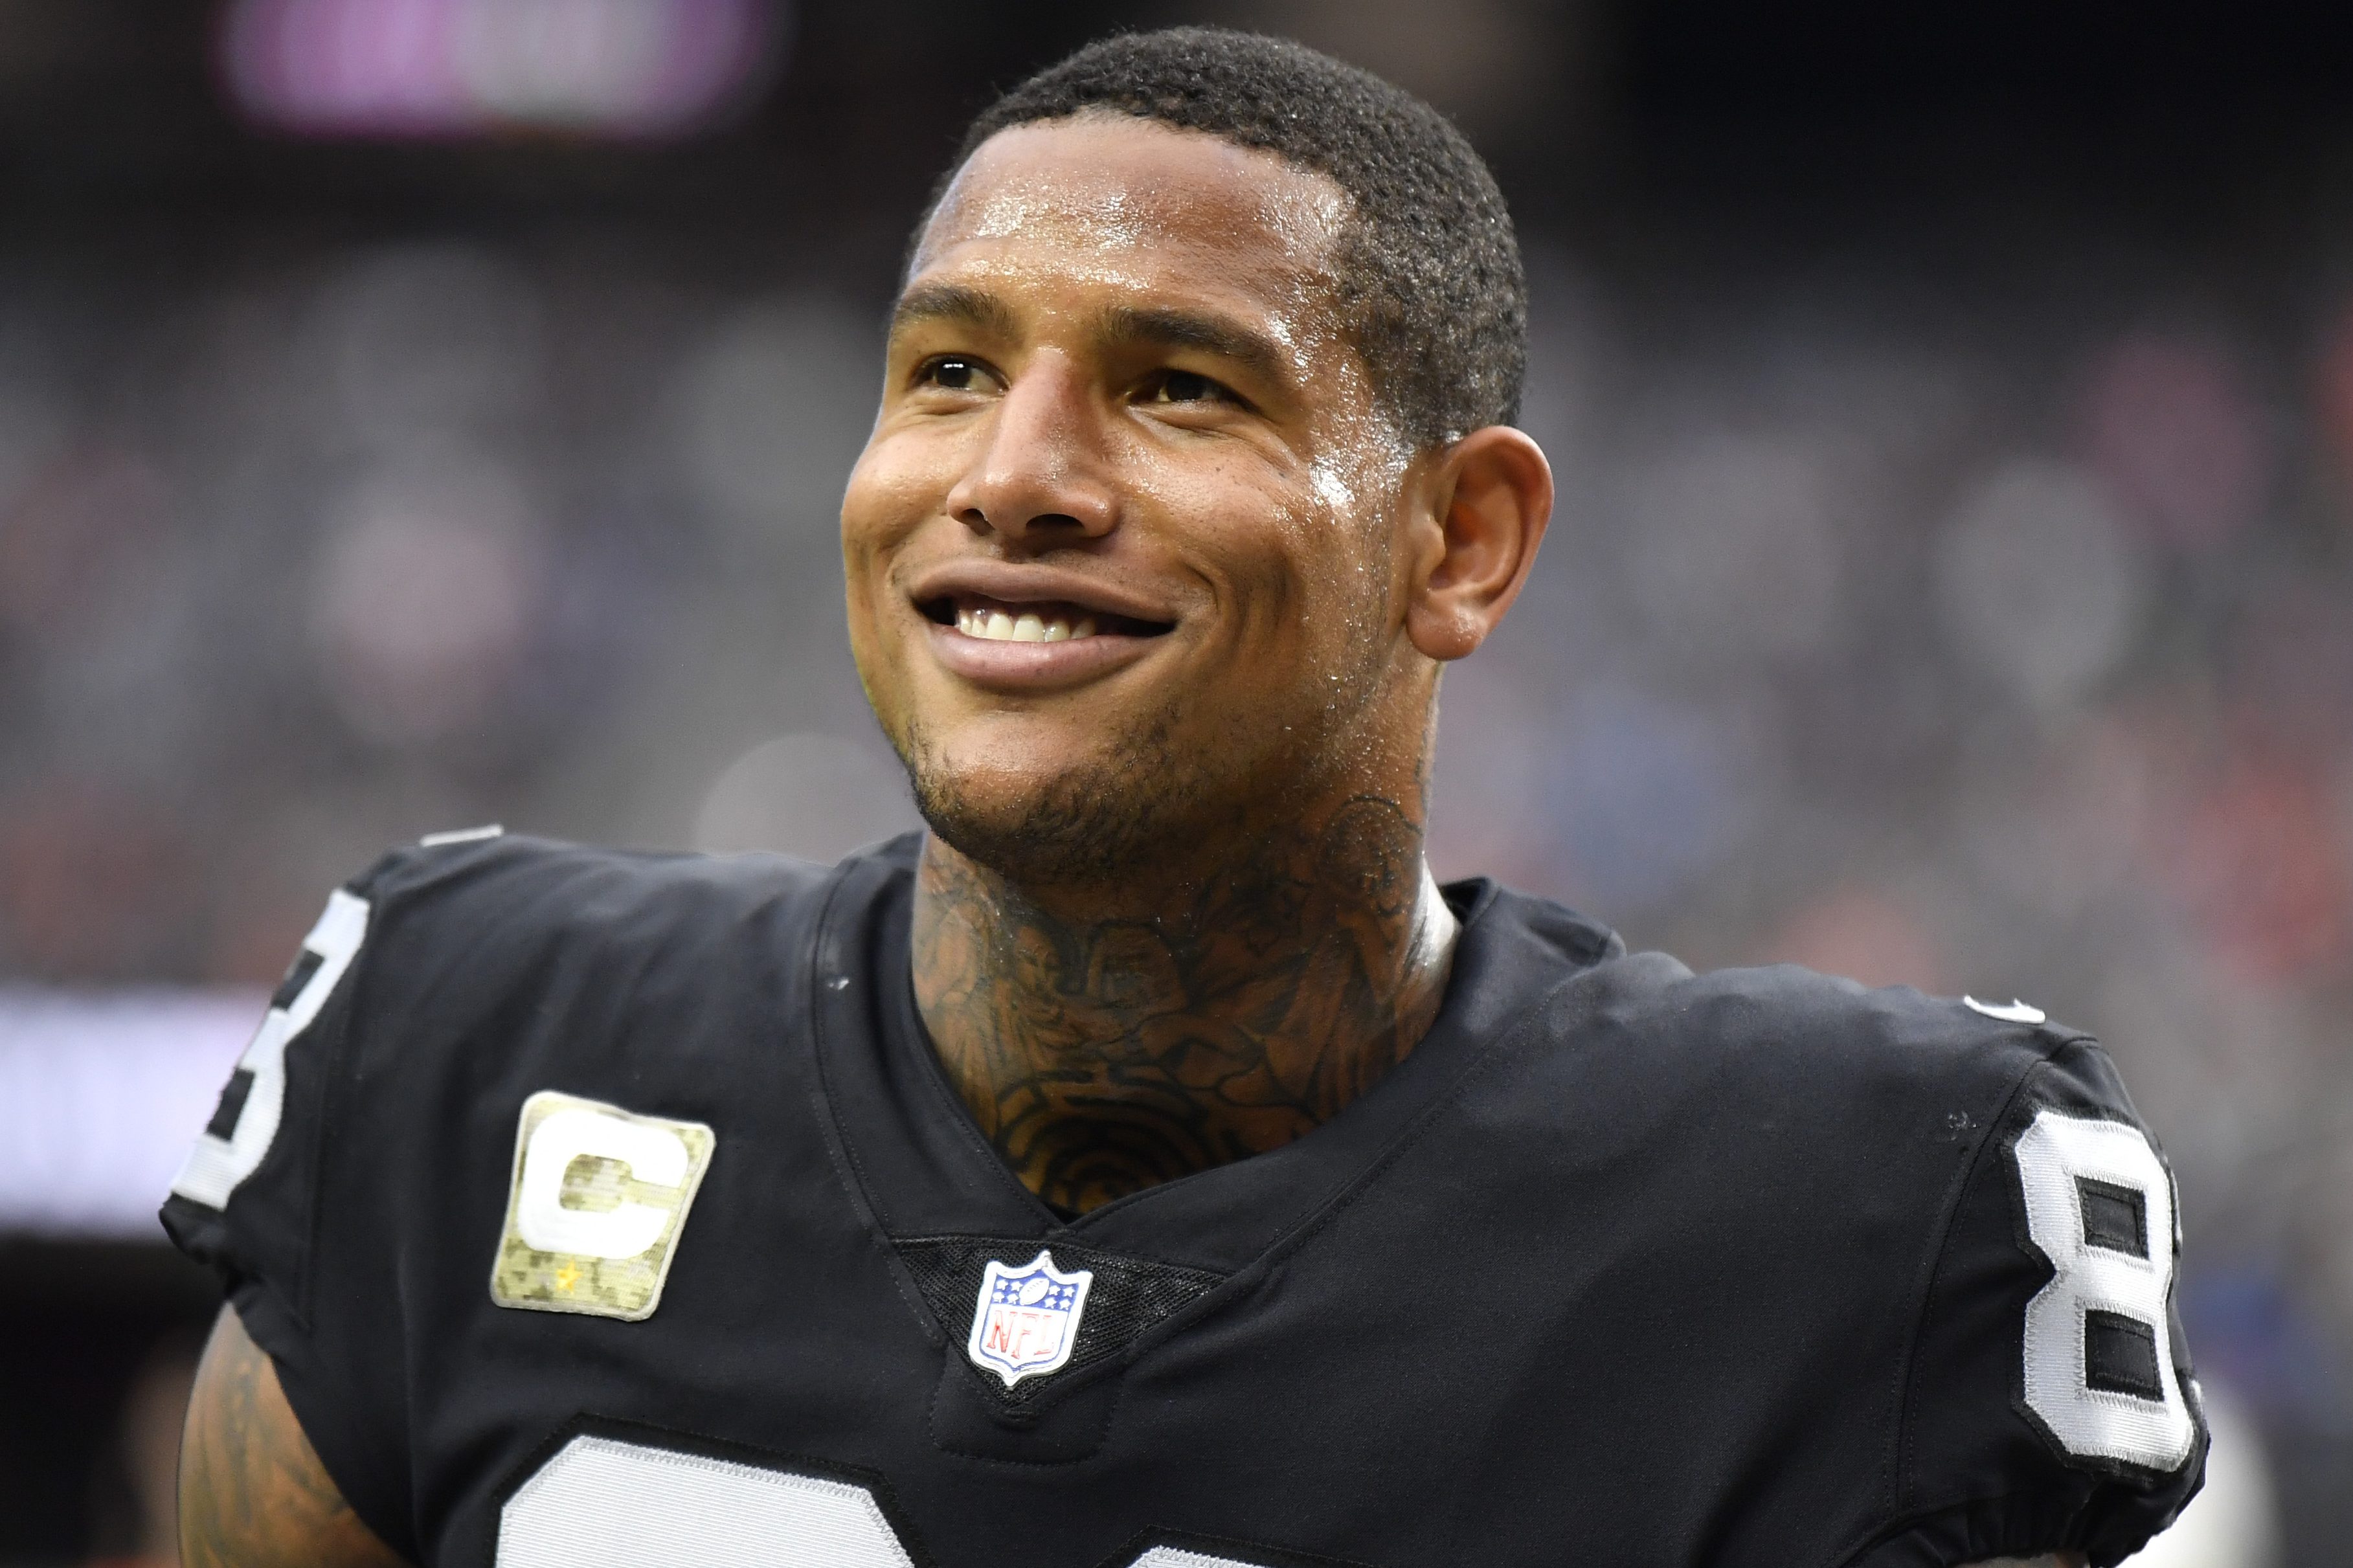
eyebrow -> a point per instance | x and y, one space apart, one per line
1159 326
953 303
1165 327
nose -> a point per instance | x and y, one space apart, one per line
1037 478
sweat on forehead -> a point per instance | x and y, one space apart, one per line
1112 183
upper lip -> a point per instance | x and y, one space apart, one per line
1011 583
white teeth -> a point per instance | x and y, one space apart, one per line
998 626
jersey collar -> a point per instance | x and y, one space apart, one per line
923 1167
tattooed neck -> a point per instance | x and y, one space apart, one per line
1106 1048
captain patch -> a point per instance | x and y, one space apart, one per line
599 1197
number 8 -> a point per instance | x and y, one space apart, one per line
2099 1353
231 1148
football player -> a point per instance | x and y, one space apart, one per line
1151 1166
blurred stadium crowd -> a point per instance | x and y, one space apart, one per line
1957 595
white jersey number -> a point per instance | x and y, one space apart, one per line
2099 1355
242 1129
601 1499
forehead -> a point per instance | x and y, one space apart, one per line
1133 204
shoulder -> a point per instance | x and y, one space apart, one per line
1748 1058
468 918
1959 1196
1814 1117
502 888
507 959
1776 1024
1995 1152
1785 1034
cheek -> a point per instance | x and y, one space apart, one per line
1359 500
881 505
896 485
1248 535
1321 556
1304 592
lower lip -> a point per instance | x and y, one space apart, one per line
1034 665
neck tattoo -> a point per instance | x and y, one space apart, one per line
1104 1052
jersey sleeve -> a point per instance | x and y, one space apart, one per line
2048 1400
282 1194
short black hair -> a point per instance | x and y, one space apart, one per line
1430 266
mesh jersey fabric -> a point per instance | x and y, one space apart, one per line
1128 1297
1621 1264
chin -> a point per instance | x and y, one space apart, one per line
1082 819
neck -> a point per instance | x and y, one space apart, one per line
1110 1038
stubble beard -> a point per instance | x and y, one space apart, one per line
1126 807
1152 807
1144 811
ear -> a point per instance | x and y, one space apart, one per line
1489 496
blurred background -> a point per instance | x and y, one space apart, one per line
419 412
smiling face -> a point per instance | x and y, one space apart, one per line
1121 551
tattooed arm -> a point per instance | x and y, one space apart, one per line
252 1492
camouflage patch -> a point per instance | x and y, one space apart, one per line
595 1208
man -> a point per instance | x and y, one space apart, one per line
1152 1167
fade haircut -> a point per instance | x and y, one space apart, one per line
1429 267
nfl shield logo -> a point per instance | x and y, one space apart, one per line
1026 1318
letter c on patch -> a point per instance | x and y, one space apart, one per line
654 1155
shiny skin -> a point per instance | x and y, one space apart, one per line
1247 503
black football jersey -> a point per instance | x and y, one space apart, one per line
612 1208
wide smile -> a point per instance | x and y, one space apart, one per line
1008 629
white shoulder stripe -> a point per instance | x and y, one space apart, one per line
461 835
2012 1012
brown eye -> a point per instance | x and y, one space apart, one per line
952 373
1186 387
